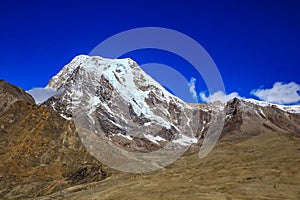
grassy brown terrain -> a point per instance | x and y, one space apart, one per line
265 166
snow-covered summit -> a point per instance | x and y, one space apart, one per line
126 77
96 64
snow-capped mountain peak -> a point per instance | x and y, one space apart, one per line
118 94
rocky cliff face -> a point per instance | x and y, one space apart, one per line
40 151
251 117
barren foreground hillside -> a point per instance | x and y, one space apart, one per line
262 167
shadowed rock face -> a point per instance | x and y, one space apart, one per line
248 119
40 151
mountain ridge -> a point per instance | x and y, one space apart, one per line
115 79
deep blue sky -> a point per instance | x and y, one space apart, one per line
253 43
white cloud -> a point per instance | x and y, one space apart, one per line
40 95
218 96
281 93
192 88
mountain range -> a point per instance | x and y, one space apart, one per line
57 149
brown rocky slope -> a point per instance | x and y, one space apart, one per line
40 151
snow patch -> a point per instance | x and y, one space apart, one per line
147 123
185 140
154 139
125 136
